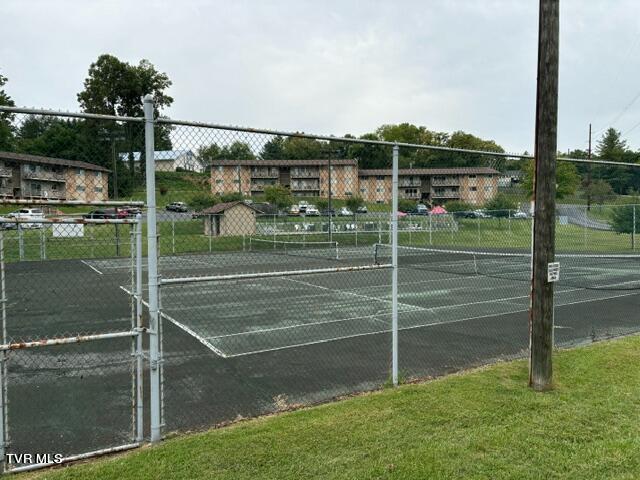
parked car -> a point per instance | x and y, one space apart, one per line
422 209
129 211
294 210
345 212
311 210
328 212
177 207
362 209
302 206
106 213
35 214
519 215
475 214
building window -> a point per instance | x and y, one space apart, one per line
348 194
97 189
98 174
36 186
31 168
236 181
79 188
364 178
363 190
219 182
219 168
54 186
348 168
488 188
80 172
473 189
471 176
379 190
380 177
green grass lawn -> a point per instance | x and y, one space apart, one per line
483 424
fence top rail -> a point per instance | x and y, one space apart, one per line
59 113
67 340
169 121
70 221
331 138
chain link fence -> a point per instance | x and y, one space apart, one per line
279 270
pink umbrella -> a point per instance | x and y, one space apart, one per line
438 210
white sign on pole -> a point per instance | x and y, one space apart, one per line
553 272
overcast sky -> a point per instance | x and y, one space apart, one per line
336 67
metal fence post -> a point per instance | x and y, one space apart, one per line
173 235
43 238
394 270
4 426
152 255
430 230
20 241
139 350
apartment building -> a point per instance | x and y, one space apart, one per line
310 178
305 178
36 177
474 185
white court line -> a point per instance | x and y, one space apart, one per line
92 267
413 327
183 327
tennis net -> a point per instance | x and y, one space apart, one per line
588 271
323 250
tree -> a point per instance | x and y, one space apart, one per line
458 206
501 205
322 204
611 146
295 148
353 203
597 191
114 87
6 128
279 196
236 151
405 205
567 179
273 149
622 221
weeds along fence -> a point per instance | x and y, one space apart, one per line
162 276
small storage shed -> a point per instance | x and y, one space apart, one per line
229 219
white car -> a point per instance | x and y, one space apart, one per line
312 210
519 215
35 214
345 212
294 210
302 206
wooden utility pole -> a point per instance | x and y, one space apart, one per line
541 314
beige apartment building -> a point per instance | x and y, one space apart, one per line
24 176
310 178
474 185
305 178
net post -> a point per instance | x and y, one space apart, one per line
20 240
152 255
394 264
139 348
173 235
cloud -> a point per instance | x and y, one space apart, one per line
338 67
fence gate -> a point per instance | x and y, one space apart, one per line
71 353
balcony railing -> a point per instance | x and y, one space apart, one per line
47 176
5 172
259 187
264 173
446 194
305 187
305 174
6 191
409 183
446 181
50 194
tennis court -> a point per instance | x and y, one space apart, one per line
242 316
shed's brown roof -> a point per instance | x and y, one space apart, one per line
27 158
221 207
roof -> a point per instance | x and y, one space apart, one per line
432 171
158 155
221 207
27 158
285 163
